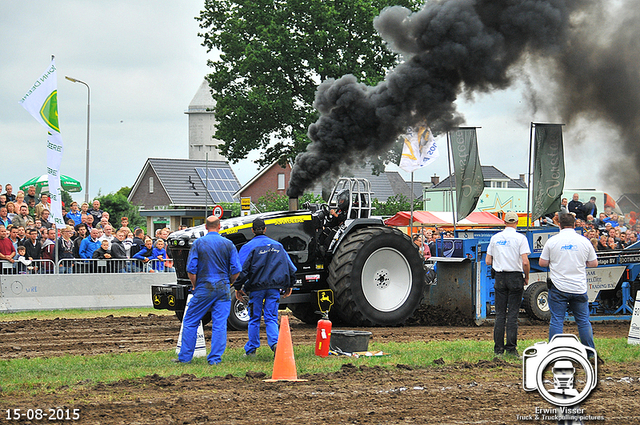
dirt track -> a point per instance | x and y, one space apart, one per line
486 392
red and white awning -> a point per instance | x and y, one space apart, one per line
444 219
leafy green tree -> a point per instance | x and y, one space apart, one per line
66 199
118 206
273 55
395 204
271 201
234 207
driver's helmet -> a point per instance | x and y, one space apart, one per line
342 198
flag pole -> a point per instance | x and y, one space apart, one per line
529 175
453 207
411 198
206 182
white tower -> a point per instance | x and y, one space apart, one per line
202 126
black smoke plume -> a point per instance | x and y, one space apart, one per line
597 80
455 47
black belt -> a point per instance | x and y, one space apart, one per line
509 272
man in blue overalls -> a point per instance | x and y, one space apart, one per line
266 269
212 266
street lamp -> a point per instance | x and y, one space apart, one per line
86 177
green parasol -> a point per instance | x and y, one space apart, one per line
42 184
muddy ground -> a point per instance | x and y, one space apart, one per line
487 392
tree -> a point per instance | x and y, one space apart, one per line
66 199
273 55
395 204
118 206
271 201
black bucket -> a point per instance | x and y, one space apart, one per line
349 341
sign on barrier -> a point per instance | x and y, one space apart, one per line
634 328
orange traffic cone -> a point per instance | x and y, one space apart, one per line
284 365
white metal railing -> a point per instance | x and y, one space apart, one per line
85 266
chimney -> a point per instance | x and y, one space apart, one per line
435 180
522 177
293 204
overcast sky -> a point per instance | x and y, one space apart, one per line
144 63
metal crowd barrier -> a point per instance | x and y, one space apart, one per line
86 266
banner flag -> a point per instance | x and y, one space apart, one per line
467 170
419 148
548 173
41 101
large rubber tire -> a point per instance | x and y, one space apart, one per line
239 315
536 301
377 276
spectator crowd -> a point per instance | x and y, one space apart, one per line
30 243
607 230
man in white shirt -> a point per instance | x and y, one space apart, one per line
568 254
508 254
108 234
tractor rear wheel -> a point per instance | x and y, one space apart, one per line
536 301
377 276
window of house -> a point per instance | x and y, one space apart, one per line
151 184
281 181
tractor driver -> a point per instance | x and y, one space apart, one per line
338 217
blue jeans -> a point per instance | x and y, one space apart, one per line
263 301
217 299
579 304
508 287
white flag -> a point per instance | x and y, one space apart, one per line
42 103
419 148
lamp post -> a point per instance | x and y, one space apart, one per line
86 176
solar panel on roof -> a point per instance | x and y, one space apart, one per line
220 183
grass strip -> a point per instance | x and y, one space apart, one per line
81 314
42 375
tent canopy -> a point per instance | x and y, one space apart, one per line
444 219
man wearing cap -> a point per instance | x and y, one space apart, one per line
266 269
508 255
567 255
212 267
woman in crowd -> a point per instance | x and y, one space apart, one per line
20 200
65 250
11 210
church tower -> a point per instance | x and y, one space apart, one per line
202 126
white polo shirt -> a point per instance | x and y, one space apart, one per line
507 248
568 253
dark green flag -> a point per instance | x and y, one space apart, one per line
467 170
548 173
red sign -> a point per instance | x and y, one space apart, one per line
217 211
